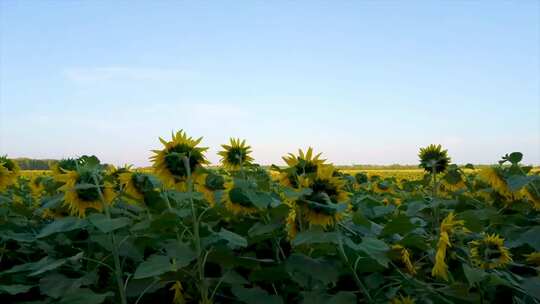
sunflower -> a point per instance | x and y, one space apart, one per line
208 184
236 200
493 176
235 155
305 164
169 163
529 193
381 187
434 157
325 205
405 256
489 252
533 258
80 196
9 171
36 186
449 226
402 300
131 184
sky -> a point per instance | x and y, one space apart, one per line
363 82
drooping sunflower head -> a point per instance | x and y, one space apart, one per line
168 163
301 165
434 159
37 185
236 200
328 200
489 252
9 171
236 154
85 189
208 184
382 186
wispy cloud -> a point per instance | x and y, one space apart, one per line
85 75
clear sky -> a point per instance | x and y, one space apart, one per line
362 82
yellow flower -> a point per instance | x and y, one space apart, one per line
236 201
128 184
235 155
405 258
381 187
533 258
299 166
489 252
9 171
449 225
322 206
208 184
178 293
79 198
528 193
496 182
63 166
402 300
169 163
36 187
454 187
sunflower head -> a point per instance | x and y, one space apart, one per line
168 163
84 189
208 184
327 201
300 166
434 159
9 171
489 252
236 199
236 154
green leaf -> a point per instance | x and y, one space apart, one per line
360 219
61 225
261 229
342 297
315 237
401 225
233 240
19 237
473 275
255 295
414 207
375 249
106 225
460 291
15 289
516 182
155 265
304 270
84 296
56 285
532 287
180 252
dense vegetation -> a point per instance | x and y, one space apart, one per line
303 233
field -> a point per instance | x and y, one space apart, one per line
183 232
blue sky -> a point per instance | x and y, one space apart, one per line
362 82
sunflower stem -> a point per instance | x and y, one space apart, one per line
357 280
196 235
116 258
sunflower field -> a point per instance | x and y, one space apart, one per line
304 232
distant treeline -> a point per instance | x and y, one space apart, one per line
35 164
45 164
